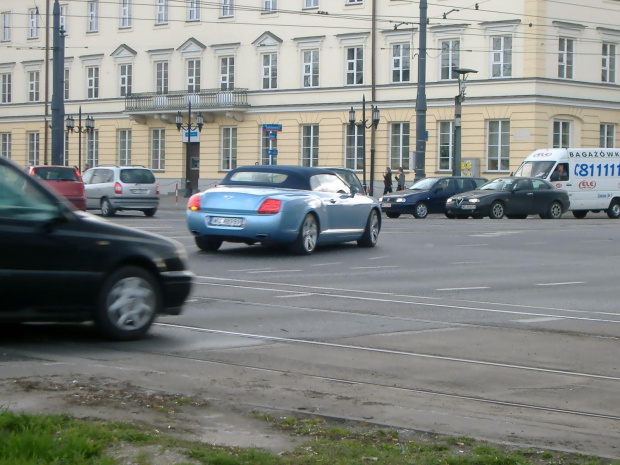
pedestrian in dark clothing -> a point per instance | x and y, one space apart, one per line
387 180
400 179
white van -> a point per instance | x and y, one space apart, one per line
591 177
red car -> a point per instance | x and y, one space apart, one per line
65 180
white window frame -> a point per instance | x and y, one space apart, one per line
561 132
354 2
6 26
441 137
227 72
158 149
400 145
498 150
6 88
125 79
608 72
310 4
353 147
270 6
5 145
64 11
269 71
310 67
66 82
33 148
92 82
124 147
352 73
161 12
34 81
64 161
161 76
400 62
126 14
310 145
192 74
93 16
33 24
566 57
228 9
193 10
229 148
92 148
607 136
501 56
450 57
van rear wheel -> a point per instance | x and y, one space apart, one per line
614 209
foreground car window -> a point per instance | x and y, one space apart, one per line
328 183
19 200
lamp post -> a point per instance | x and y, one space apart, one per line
89 127
179 122
458 100
363 124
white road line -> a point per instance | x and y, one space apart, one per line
379 258
327 264
373 267
537 320
561 284
250 269
465 263
473 245
461 288
293 295
275 271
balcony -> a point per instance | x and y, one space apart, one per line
231 103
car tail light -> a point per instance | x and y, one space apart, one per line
270 207
118 189
78 175
157 189
194 202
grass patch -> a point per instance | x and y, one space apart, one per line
62 439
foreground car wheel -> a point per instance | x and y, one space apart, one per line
579 214
392 215
371 233
307 237
129 300
208 244
555 211
421 210
106 208
614 210
497 210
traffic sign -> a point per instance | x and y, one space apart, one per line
272 152
272 127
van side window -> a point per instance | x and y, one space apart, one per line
560 173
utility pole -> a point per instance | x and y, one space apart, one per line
47 78
58 97
420 103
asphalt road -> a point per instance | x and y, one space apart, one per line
505 330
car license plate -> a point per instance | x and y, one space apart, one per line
139 191
386 205
224 221
468 207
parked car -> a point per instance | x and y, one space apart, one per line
513 197
58 264
116 188
426 196
297 206
65 180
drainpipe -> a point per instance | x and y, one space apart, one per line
373 93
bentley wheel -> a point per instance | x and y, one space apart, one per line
307 237
497 210
421 210
371 233
207 243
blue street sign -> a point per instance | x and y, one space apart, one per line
272 152
272 127
272 135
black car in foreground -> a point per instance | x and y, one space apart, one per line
426 196
513 197
58 264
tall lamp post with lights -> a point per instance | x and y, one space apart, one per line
88 128
179 122
458 100
363 124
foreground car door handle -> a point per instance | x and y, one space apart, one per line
332 200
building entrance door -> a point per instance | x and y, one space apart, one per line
194 168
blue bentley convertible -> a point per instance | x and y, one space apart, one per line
297 206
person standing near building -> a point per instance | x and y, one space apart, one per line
400 179
387 180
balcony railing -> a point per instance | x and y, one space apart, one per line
208 99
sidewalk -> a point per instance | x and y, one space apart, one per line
170 202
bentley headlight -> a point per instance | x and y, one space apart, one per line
401 200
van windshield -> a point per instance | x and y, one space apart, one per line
535 169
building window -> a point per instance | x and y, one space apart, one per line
158 149
270 71
608 136
161 16
354 2
6 27
125 77
227 73
5 85
353 152
63 17
501 57
270 6
161 77
311 4
566 58
609 63
33 24
268 142
310 145
228 9
498 145
193 75
561 134
33 148
445 145
450 58
33 86
355 66
67 74
125 14
93 16
400 63
5 145
193 10
92 82
124 147
399 146
229 148
310 67
92 148
65 150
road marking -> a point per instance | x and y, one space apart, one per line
250 269
561 284
473 245
461 288
465 263
373 267
537 320
379 258
293 295
275 271
327 264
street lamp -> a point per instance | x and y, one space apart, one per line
458 100
89 127
363 124
179 122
